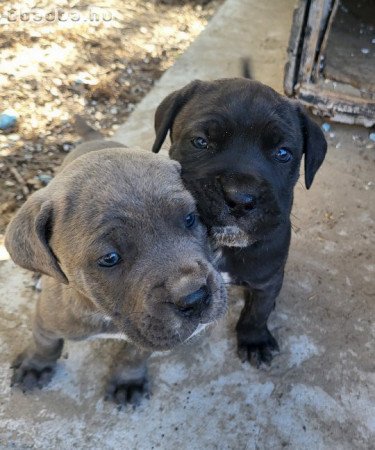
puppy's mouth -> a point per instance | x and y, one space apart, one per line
230 225
230 236
165 328
199 330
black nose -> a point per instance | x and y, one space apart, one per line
240 201
195 302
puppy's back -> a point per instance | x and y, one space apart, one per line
92 140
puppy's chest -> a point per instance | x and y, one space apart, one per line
227 278
219 262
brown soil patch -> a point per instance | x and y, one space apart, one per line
97 61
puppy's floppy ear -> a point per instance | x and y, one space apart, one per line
314 146
26 237
167 111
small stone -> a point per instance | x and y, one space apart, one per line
86 79
372 137
44 178
67 146
14 137
365 51
326 127
33 182
332 135
359 140
8 119
54 91
9 183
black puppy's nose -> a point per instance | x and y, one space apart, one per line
195 302
240 201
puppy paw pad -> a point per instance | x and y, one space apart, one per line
257 350
127 392
28 377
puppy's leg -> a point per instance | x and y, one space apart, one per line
128 382
255 342
34 367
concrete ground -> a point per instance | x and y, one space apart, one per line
319 392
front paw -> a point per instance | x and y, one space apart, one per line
127 392
257 346
30 373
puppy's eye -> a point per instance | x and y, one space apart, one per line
109 260
190 220
200 143
283 155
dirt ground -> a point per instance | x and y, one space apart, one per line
99 60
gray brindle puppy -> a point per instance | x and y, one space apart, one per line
124 255
240 145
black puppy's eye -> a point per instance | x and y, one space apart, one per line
200 143
190 220
283 155
109 260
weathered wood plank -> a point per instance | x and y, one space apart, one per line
337 106
295 46
303 77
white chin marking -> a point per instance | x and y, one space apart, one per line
198 330
226 277
230 236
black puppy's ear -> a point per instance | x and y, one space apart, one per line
314 146
167 111
26 238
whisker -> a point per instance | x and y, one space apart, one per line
295 228
294 216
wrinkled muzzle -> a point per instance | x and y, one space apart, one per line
238 210
176 304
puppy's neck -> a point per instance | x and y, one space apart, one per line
78 315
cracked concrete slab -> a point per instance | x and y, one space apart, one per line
319 392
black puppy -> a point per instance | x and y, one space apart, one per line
240 145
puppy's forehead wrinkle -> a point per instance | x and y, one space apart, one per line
130 218
117 189
249 116
122 168
107 225
208 119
